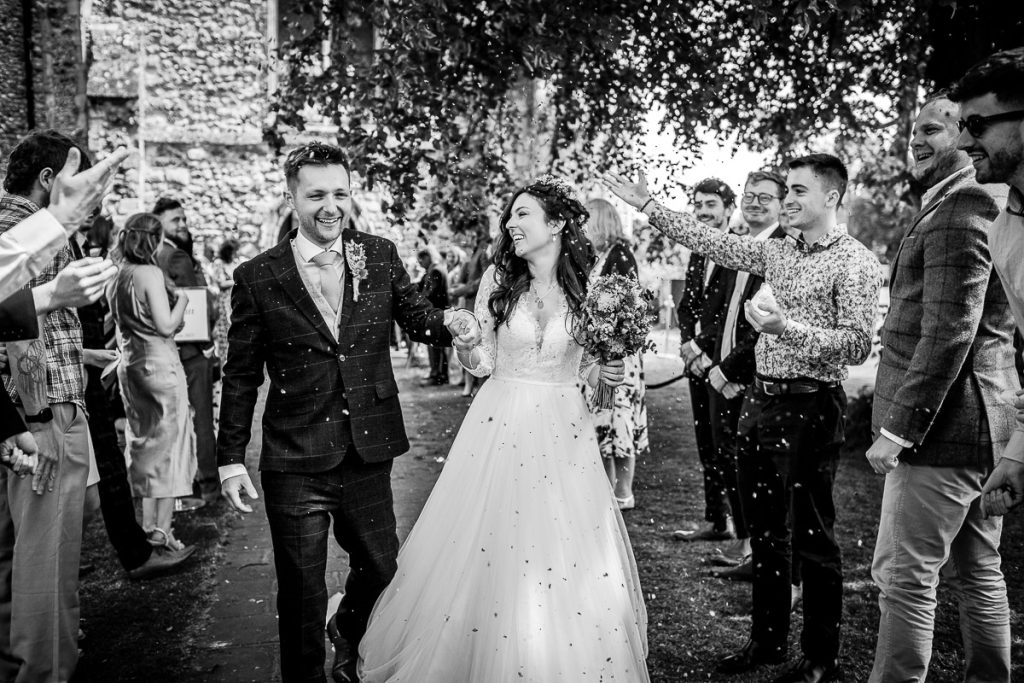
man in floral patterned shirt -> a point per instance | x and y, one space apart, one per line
825 285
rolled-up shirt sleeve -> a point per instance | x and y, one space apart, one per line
27 248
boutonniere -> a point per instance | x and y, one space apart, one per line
355 257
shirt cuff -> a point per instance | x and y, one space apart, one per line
795 332
40 234
695 348
898 440
228 471
1015 448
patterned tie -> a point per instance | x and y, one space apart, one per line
330 283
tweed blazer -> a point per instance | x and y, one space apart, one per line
324 394
947 339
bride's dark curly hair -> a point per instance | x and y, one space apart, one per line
512 276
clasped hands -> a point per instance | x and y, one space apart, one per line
465 329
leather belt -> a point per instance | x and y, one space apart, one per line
792 386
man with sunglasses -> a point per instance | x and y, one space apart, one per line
991 96
938 419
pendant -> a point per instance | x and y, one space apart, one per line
540 303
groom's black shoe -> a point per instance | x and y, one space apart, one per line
345 655
750 656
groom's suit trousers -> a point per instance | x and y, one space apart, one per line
300 508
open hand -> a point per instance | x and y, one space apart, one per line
98 358
45 474
74 195
634 194
884 455
80 283
233 487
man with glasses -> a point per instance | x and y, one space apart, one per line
818 322
991 96
700 312
938 418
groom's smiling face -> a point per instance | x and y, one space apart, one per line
322 199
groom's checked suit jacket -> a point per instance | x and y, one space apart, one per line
325 394
947 339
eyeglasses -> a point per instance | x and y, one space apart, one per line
976 124
764 199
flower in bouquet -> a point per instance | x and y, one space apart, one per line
355 257
615 323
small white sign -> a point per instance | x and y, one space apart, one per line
197 320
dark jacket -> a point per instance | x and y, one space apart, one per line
947 339
703 305
180 268
324 394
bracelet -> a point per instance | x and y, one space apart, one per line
649 200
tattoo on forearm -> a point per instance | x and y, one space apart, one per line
28 365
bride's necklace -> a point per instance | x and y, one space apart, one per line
539 298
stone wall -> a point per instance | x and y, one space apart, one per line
13 105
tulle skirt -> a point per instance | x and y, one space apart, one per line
519 567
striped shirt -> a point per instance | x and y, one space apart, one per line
828 290
62 332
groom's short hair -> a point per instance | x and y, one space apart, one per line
314 153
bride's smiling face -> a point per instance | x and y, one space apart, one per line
529 228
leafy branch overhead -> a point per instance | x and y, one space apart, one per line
450 102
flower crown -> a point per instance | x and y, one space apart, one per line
553 186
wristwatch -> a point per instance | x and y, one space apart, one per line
44 415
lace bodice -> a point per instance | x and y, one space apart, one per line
524 349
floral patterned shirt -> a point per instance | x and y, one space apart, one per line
828 290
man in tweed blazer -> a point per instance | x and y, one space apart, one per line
315 313
938 419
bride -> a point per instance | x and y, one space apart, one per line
519 567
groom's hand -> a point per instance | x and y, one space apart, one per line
232 488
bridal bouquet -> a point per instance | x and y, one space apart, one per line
615 324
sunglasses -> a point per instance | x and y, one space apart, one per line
976 125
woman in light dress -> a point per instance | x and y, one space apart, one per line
519 567
621 429
159 437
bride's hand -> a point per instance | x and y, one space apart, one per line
613 373
634 194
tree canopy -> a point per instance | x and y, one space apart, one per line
454 101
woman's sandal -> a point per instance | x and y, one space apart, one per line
159 538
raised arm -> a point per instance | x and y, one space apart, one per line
732 251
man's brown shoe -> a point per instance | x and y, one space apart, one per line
744 572
345 655
163 560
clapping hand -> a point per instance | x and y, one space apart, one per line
74 195
613 372
634 194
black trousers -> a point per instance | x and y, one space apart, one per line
300 507
716 487
789 451
725 416
438 356
123 530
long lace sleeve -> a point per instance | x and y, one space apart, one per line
483 355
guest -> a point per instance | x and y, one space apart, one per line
818 322
991 97
41 518
476 240
700 313
175 258
621 429
138 557
159 436
434 287
734 363
940 425
223 271
455 258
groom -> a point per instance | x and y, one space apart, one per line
315 312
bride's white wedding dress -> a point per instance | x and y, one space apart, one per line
519 567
